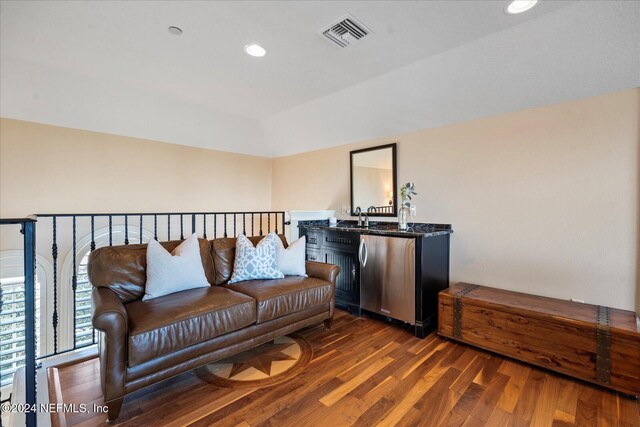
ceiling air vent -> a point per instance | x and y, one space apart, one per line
345 32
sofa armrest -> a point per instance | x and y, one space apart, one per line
110 317
320 270
109 314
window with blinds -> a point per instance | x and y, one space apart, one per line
84 334
12 327
12 318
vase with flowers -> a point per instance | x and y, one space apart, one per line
406 191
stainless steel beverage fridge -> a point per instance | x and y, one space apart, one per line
387 276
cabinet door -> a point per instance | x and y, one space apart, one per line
348 281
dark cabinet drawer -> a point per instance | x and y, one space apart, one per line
341 240
314 239
314 255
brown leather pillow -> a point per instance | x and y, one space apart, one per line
223 252
123 269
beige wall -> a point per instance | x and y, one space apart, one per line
49 169
542 201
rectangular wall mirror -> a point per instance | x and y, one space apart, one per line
373 181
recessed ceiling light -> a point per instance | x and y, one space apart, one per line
255 50
519 6
175 31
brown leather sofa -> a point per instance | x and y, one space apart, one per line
144 342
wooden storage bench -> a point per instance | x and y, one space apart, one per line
589 342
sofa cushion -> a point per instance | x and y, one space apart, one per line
223 252
123 269
256 262
292 260
175 271
279 297
172 322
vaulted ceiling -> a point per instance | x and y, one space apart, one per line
112 66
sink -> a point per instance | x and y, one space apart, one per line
373 226
352 227
386 226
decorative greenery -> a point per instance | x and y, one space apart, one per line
406 191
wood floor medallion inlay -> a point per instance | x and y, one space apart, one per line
265 365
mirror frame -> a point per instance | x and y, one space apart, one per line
393 171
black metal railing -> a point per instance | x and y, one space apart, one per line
28 310
72 237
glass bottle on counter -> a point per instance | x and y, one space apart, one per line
403 215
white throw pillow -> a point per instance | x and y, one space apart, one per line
256 262
176 271
291 261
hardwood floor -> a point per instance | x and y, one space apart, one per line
364 373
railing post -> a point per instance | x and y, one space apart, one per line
29 232
225 225
126 229
93 234
54 256
283 223
261 223
74 278
110 230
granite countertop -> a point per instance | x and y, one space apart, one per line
415 229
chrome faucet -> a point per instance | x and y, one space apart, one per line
358 212
366 217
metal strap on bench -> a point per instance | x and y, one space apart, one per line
603 345
457 309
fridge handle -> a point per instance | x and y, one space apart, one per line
366 254
360 252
